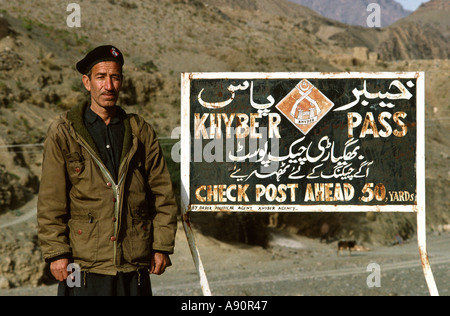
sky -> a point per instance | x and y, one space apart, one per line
411 4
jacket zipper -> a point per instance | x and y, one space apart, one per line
116 193
115 187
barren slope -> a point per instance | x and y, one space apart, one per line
160 39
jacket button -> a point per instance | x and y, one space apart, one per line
113 238
109 184
79 232
114 219
114 200
77 170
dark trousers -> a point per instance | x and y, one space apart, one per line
135 283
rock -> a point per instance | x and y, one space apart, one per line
361 53
140 88
4 27
374 56
444 228
4 283
6 263
10 60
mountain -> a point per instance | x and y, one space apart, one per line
160 39
280 8
355 12
421 35
425 34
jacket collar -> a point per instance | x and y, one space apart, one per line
76 115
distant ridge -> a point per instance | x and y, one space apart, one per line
425 34
354 12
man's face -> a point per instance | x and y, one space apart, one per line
104 84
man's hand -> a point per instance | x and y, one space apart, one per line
58 269
159 263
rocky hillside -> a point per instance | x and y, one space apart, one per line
421 35
160 39
425 34
38 52
355 12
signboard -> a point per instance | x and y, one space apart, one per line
303 142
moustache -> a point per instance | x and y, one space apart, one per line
108 94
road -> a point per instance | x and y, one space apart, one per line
291 266
313 268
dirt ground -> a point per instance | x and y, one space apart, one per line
173 36
294 266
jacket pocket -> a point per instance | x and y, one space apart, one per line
141 240
84 239
75 166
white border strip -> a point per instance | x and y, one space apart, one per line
185 172
420 146
185 141
303 75
421 199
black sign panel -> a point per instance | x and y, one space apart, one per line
301 142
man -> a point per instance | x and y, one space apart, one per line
105 199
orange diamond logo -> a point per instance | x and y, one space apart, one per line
305 106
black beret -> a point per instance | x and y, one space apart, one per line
99 54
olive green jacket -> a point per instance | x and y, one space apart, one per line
106 227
